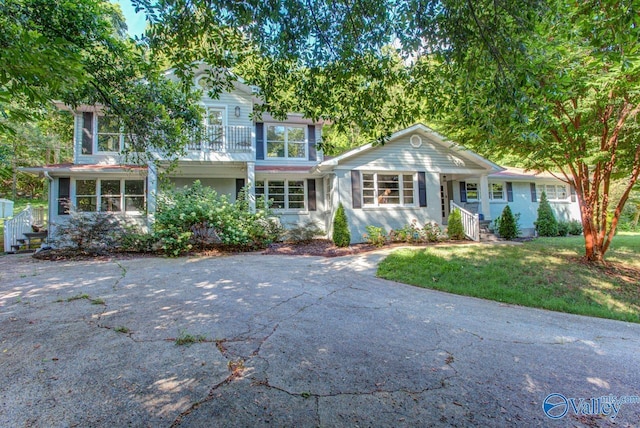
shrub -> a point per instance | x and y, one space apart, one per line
341 234
454 227
92 232
563 228
432 232
198 217
575 228
546 224
303 232
507 226
375 236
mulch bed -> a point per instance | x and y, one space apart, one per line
317 247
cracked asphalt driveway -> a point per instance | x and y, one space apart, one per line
289 341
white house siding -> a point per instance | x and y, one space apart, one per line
563 210
399 155
231 100
386 217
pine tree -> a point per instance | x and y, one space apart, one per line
508 228
454 226
341 234
546 224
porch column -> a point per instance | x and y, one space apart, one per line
485 208
251 185
152 190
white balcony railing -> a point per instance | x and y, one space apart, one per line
470 222
222 139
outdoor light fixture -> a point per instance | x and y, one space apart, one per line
237 111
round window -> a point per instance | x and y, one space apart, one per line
416 141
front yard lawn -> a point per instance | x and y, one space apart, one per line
544 273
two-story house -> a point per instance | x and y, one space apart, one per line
418 174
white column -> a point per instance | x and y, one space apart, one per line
484 197
152 190
251 185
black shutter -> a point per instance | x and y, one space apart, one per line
64 187
534 196
313 154
463 191
260 141
356 189
311 194
573 193
239 186
87 133
509 192
422 189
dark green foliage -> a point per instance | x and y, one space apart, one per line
454 227
546 224
575 228
341 234
563 228
508 228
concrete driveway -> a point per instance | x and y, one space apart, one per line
292 341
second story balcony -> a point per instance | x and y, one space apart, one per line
222 139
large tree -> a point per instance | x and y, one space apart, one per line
567 102
77 52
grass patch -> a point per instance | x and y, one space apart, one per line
187 339
122 329
78 297
546 273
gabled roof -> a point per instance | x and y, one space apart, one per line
434 137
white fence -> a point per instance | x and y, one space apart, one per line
470 222
16 227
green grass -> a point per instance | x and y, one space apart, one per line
18 206
545 273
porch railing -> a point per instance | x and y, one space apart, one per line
470 222
16 227
223 139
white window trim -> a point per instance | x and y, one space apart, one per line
556 199
504 191
96 147
477 190
286 209
98 194
376 204
286 141
221 107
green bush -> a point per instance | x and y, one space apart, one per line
341 234
507 226
90 232
375 236
432 232
575 228
563 228
454 227
198 217
546 224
